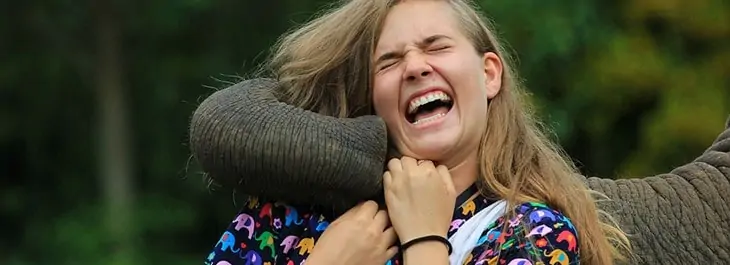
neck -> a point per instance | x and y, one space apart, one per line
464 173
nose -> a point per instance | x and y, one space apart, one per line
416 67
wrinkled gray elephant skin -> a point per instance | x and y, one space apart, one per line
243 137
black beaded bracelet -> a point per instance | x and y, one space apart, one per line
414 241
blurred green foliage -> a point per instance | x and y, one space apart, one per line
631 88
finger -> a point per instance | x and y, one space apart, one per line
368 210
395 165
409 164
381 220
390 253
387 180
426 164
352 211
389 237
446 176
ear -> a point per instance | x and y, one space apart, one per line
492 74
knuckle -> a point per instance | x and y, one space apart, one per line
355 223
384 212
370 204
372 233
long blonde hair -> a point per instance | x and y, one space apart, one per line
325 66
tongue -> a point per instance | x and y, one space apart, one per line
430 113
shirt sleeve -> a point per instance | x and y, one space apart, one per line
544 235
259 234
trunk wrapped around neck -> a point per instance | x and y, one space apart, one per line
244 137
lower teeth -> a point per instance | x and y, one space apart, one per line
430 118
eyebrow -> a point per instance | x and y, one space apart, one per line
421 44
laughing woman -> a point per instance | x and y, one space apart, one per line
477 182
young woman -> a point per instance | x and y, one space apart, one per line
477 183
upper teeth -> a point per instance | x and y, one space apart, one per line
427 98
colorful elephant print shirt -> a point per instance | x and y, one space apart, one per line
273 233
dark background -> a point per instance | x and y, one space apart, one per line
95 98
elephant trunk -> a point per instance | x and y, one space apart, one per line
242 134
245 138
680 217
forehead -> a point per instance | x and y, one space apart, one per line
410 22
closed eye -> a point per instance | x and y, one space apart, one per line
385 65
439 48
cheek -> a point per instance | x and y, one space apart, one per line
471 82
461 72
385 99
379 95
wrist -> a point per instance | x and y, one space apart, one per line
429 239
427 252
414 236
428 246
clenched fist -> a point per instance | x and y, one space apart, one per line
420 198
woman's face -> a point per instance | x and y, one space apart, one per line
430 85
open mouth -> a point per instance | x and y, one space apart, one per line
429 107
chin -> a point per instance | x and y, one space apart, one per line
431 150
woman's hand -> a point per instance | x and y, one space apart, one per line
420 198
361 236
